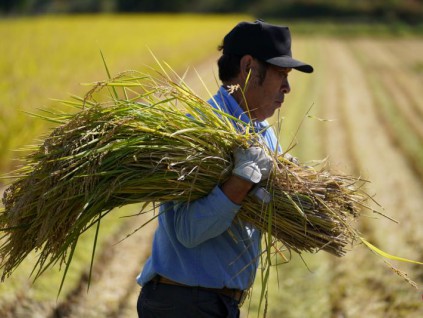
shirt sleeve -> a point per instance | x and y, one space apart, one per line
205 218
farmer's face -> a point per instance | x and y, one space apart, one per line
265 95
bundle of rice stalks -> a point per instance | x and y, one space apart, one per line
132 141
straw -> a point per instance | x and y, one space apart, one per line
141 138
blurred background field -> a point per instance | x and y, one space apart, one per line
366 88
49 57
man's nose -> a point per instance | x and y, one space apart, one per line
285 88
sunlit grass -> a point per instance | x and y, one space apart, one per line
48 57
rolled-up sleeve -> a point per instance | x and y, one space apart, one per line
205 218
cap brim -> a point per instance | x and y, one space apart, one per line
287 61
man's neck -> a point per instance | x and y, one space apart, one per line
234 89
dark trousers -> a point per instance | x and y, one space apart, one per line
161 301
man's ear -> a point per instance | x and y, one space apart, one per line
246 66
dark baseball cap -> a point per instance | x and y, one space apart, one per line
266 42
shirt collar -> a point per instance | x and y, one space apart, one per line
228 104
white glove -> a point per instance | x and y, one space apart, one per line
291 158
252 164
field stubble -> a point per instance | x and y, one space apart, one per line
357 141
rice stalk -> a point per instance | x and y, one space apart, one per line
151 139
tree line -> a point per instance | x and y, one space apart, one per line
410 11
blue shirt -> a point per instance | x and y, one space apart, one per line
201 243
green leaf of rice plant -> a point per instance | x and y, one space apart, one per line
387 255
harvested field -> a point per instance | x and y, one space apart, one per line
364 139
370 91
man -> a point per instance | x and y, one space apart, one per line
203 258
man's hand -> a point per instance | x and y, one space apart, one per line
252 164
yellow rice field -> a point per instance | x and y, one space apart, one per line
366 117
